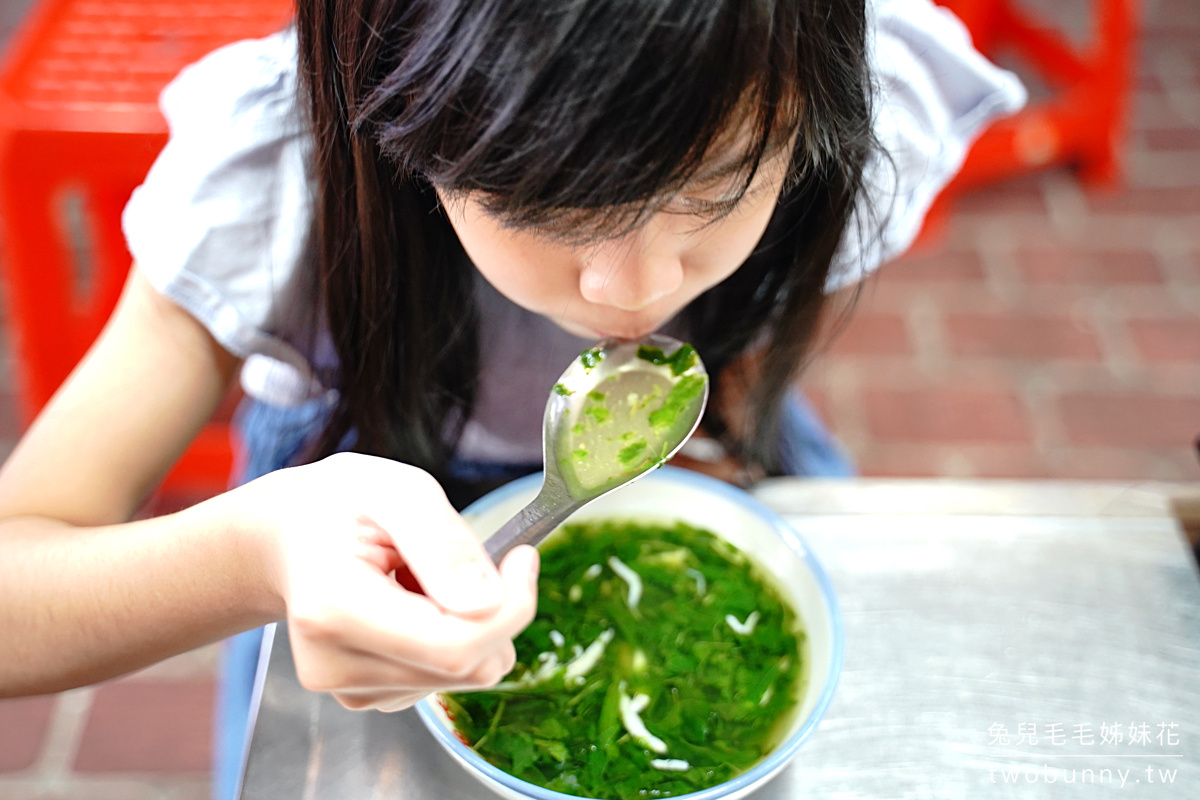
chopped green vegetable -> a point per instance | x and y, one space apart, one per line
678 400
590 358
598 413
597 396
563 390
680 361
678 669
629 454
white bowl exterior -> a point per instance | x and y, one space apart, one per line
736 517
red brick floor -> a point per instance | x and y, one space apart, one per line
143 737
1047 332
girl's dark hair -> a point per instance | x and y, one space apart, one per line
576 117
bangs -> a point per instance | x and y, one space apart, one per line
581 118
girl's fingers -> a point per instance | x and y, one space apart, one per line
404 696
439 547
378 701
451 644
376 615
352 672
359 634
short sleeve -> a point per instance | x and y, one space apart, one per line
934 93
221 220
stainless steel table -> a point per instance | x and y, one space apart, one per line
1003 639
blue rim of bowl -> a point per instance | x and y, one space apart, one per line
778 757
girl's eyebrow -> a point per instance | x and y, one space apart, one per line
719 172
733 166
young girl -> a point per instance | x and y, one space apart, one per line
399 222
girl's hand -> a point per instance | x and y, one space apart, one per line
336 533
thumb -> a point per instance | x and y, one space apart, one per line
444 554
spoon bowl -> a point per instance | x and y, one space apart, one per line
618 411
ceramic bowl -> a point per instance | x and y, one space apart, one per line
668 495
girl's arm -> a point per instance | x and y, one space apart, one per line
75 587
129 409
85 595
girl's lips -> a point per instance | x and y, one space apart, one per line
628 333
625 336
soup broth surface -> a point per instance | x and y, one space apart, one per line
661 662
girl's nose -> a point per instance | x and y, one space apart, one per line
629 277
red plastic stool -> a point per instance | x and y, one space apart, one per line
1082 122
79 124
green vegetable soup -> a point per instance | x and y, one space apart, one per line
661 662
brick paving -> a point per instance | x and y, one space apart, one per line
143 737
1045 331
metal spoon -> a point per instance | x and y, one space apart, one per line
620 409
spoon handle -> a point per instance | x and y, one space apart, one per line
532 523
